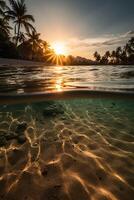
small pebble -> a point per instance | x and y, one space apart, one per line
100 178
11 135
3 141
45 172
21 127
21 139
57 186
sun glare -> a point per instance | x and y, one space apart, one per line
59 48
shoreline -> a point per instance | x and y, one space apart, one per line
29 63
19 62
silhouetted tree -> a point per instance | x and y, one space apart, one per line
18 14
22 38
106 57
130 50
35 41
118 55
97 57
122 55
45 45
113 57
4 27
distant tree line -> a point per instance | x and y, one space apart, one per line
122 55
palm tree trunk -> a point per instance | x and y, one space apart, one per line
18 33
32 51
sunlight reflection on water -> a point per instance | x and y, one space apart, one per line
47 78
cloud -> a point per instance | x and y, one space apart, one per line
86 47
130 33
105 41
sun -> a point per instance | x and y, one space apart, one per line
59 48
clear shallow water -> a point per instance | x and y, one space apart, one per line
67 150
24 79
71 149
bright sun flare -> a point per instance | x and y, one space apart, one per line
59 48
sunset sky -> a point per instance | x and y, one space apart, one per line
84 25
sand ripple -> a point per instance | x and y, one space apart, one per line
85 153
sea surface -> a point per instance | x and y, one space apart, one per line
77 148
33 79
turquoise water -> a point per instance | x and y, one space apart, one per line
70 149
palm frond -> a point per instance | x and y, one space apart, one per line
13 4
2 4
28 27
18 14
28 18
4 26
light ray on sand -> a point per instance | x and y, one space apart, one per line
74 149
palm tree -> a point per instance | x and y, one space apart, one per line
18 13
107 56
34 40
21 39
97 56
113 56
2 3
45 45
129 48
118 54
4 27
123 57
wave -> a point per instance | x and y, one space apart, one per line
66 94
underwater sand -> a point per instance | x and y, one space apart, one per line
67 150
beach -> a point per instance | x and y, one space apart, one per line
5 62
78 149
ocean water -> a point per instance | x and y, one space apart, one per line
77 148
24 79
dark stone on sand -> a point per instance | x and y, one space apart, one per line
44 172
21 127
3 141
113 103
11 136
53 110
57 186
2 196
76 141
21 139
131 132
100 178
120 188
47 112
63 118
2 133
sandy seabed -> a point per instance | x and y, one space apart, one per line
85 153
